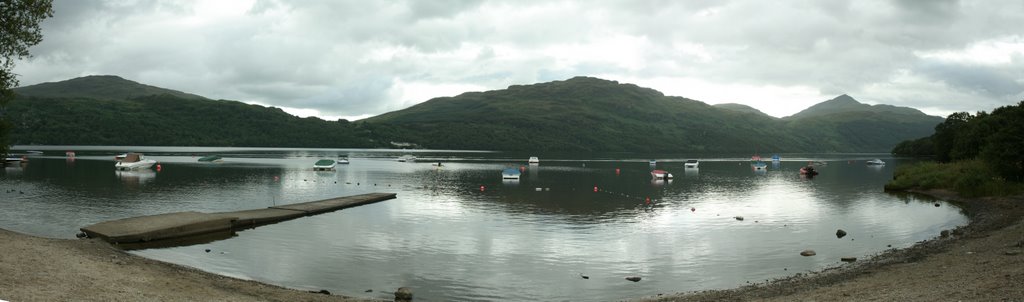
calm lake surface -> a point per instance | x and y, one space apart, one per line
461 233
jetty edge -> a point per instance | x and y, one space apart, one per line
190 223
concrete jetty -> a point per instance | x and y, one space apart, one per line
184 224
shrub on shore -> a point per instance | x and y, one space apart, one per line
969 178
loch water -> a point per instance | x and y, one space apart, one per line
459 232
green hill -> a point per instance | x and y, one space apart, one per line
108 110
578 114
591 114
740 108
103 87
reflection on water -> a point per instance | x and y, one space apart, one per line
460 232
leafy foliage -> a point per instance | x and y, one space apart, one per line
996 139
969 178
19 30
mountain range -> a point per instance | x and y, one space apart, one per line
577 114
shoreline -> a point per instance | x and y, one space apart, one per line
978 261
975 262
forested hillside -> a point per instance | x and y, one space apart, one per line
578 114
594 114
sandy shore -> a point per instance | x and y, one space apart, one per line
41 269
980 262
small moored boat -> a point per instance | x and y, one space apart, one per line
510 173
324 165
406 158
808 171
691 163
134 161
343 161
533 160
211 159
757 164
875 162
661 174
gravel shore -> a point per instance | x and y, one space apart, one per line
979 262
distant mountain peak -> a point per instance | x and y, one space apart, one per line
107 87
740 108
845 103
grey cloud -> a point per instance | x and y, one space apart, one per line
327 55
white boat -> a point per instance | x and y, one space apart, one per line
406 158
533 160
120 157
324 165
211 159
14 160
134 161
875 162
510 173
691 164
661 174
343 161
652 162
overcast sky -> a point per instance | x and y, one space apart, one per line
354 59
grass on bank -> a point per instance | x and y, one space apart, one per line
972 178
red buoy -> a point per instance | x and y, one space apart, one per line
158 167
616 171
481 188
595 188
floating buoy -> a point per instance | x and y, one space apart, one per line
648 200
522 169
481 188
276 178
595 188
158 167
616 171
693 209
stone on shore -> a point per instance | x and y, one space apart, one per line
403 294
808 253
848 259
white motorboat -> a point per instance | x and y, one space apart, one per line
406 158
692 164
661 174
533 160
875 162
134 161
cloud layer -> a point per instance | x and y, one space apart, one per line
352 59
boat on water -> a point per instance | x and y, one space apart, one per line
875 162
211 159
776 158
510 173
343 161
324 165
808 170
652 162
406 158
120 157
14 160
757 163
533 160
691 164
134 161
661 174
